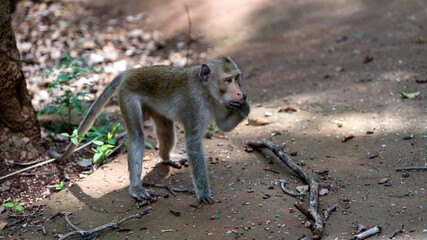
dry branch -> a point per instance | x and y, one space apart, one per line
82 233
312 211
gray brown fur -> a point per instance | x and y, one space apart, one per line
166 94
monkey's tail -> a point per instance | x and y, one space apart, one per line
93 112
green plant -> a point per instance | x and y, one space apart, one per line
213 128
105 126
63 87
103 147
74 137
60 186
14 206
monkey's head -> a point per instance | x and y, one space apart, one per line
223 76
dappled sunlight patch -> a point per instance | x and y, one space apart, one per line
398 75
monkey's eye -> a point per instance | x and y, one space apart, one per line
229 80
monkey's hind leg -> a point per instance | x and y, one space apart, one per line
132 115
166 135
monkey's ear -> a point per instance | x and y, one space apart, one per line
205 72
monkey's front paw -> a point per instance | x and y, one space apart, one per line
172 163
141 193
206 200
233 105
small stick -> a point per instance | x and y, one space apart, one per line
120 135
44 230
250 183
170 189
45 162
328 211
282 185
368 233
113 225
146 202
398 231
27 163
115 149
411 168
313 207
271 170
69 221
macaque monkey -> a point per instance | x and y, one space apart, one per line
193 96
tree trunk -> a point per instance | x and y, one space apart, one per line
16 112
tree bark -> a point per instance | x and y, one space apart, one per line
16 111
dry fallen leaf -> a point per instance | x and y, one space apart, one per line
248 149
383 180
2 225
288 110
259 121
347 137
368 59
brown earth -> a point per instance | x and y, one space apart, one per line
317 55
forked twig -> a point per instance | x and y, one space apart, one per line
82 233
312 211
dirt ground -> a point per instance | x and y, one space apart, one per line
334 62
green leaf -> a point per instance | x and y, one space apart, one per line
75 141
65 134
8 204
109 146
148 145
410 95
116 220
112 141
96 156
99 143
19 208
359 35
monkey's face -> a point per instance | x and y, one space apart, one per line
231 93
224 81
